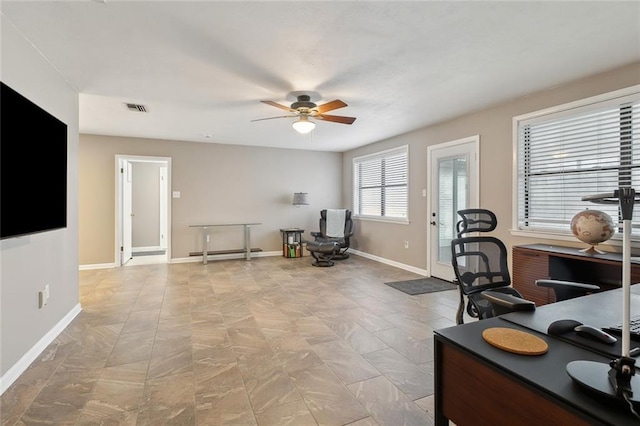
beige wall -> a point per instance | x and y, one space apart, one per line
494 126
217 183
222 183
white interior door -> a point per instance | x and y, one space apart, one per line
127 213
453 186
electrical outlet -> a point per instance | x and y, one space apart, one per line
406 244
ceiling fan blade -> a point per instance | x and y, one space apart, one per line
336 118
330 106
277 105
271 118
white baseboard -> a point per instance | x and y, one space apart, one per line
143 249
23 363
399 265
196 259
190 259
96 266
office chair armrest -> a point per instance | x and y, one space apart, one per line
508 301
316 234
567 284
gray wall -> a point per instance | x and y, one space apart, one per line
494 125
145 188
217 184
30 262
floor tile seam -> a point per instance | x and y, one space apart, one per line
244 386
402 352
408 398
391 380
44 385
336 380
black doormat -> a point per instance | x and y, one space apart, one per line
422 285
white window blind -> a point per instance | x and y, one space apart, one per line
583 150
381 184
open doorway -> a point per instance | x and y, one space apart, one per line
143 210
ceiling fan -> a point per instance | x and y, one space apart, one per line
304 109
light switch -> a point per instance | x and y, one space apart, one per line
424 192
176 194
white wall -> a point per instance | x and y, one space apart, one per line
28 263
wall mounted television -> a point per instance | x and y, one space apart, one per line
33 167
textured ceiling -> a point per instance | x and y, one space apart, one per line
202 67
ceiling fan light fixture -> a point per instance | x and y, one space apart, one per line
303 125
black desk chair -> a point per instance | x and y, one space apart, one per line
482 272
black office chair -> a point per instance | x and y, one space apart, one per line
482 272
340 232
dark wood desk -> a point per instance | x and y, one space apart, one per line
476 383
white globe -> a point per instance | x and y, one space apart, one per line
592 226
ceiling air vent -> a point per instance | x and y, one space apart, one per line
136 107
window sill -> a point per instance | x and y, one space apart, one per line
616 241
398 221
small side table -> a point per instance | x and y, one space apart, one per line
292 242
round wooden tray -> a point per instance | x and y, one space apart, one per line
515 341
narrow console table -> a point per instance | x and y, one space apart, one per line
540 261
247 240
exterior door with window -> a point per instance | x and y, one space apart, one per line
453 186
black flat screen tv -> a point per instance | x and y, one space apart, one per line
33 167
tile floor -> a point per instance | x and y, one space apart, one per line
271 341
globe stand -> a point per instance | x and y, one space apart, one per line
619 379
592 250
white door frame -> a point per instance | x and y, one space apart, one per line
165 194
470 145
126 216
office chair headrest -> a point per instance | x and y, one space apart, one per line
476 220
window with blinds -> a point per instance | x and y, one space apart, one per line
381 184
585 148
